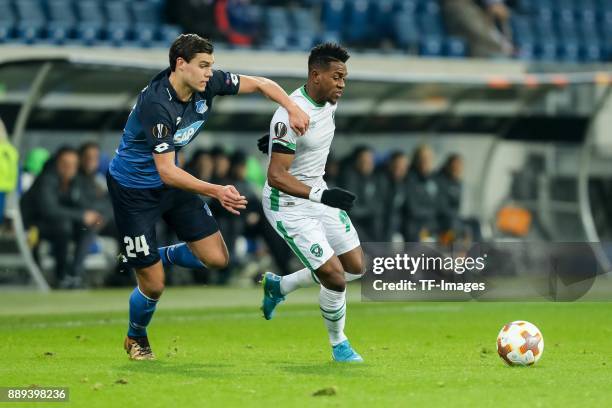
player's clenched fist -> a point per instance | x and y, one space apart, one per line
231 199
298 120
334 197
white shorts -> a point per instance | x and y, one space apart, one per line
315 232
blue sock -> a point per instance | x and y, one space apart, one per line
180 255
141 312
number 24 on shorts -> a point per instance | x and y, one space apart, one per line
135 245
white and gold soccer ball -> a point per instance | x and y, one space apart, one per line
520 343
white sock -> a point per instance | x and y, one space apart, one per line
349 277
300 279
333 310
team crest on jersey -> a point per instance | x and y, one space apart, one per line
201 106
280 130
160 131
316 250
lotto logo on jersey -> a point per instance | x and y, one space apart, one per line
160 131
162 147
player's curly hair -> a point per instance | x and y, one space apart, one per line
323 54
186 46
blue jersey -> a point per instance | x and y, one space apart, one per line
161 123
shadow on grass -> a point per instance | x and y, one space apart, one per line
190 370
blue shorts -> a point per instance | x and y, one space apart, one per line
137 211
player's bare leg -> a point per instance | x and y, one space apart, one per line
211 251
142 306
352 262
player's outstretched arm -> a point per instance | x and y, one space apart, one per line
280 178
298 119
174 176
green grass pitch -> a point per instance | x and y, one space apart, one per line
214 349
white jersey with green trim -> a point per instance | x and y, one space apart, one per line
311 149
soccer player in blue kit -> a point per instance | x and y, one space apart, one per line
146 184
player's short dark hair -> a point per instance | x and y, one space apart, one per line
324 54
186 46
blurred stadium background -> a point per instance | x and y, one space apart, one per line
462 120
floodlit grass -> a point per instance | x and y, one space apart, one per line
215 350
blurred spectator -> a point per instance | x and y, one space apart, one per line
94 190
483 25
201 165
55 205
449 197
391 189
420 208
194 16
332 171
221 166
358 177
450 189
8 168
237 20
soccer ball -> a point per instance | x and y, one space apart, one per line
520 343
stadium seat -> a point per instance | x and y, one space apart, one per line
521 29
569 51
570 5
7 21
406 32
91 21
544 28
591 52
605 5
148 22
431 7
431 25
455 47
333 15
526 50
32 21
406 6
305 28
358 17
567 30
62 21
546 49
431 46
244 18
119 19
382 15
277 21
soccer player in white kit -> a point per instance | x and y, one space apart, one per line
311 218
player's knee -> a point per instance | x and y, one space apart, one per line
218 261
332 277
356 268
156 291
153 290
